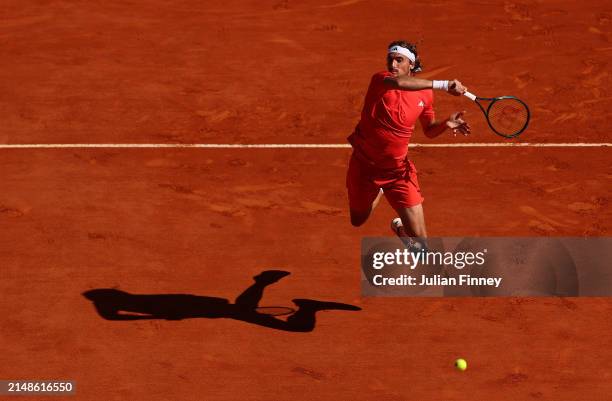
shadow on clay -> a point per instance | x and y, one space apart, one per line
114 304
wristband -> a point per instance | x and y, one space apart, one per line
442 85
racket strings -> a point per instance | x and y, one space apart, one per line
508 116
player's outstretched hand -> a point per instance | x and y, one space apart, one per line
456 88
457 124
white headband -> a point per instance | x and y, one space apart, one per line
403 51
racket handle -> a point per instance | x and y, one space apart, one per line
470 95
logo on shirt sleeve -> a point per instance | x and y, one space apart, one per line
421 104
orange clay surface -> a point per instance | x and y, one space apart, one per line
203 222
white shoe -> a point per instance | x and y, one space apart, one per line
396 224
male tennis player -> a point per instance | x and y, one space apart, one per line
379 163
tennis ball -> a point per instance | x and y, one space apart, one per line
461 364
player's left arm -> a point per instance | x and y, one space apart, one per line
433 128
455 122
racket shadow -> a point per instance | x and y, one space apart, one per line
118 305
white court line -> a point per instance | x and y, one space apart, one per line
291 145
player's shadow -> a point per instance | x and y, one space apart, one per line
113 304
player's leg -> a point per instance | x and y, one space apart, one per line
404 195
413 222
358 217
363 193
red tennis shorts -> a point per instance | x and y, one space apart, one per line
400 186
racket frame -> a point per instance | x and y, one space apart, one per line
476 99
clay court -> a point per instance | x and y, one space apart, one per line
203 221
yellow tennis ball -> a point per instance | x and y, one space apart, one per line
461 364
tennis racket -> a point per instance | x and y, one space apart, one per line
508 116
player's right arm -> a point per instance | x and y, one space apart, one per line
415 84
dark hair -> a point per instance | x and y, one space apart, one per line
412 47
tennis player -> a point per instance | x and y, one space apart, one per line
379 165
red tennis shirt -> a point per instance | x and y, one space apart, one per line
387 122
